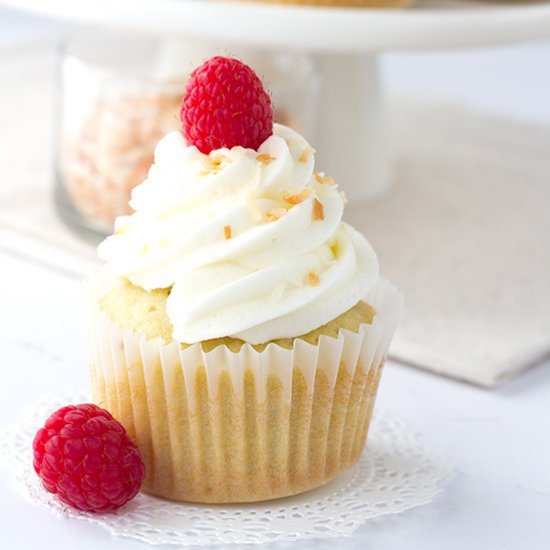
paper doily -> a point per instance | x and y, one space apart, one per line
395 473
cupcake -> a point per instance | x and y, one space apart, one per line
240 328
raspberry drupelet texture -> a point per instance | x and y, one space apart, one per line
225 105
85 456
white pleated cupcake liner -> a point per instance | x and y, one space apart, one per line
196 442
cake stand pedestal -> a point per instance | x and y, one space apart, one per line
352 137
352 143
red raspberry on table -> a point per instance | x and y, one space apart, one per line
225 105
85 456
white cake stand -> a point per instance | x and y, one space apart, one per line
352 142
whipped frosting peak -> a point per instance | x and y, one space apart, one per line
251 243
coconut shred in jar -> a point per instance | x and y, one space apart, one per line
120 94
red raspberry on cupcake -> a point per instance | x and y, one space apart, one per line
225 105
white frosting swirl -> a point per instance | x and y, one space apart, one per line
251 242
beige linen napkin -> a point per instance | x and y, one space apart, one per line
465 234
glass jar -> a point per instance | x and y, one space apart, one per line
120 95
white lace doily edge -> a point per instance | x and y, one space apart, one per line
335 510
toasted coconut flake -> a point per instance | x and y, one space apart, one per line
318 211
297 199
214 164
322 179
313 279
344 197
306 154
227 231
275 213
266 159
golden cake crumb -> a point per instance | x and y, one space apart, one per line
227 231
318 211
298 198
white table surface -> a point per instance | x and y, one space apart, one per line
499 440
